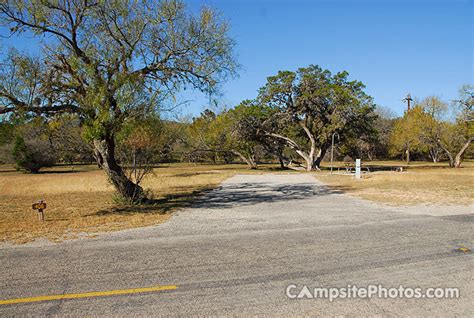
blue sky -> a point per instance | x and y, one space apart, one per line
393 47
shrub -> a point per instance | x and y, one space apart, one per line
6 154
32 155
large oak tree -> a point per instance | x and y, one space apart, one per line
315 103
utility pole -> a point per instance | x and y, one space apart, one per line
408 99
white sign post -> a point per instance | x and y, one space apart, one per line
357 168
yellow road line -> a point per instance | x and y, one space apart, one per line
90 294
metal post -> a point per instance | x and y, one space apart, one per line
332 147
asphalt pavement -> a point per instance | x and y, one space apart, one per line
236 251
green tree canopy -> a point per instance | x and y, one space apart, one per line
317 103
111 60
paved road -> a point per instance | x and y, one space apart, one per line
240 246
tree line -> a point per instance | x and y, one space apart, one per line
294 123
252 132
107 68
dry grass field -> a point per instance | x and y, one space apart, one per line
80 200
419 183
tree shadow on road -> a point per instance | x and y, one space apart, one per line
164 205
253 193
227 196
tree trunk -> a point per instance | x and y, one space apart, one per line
460 154
310 158
250 160
282 162
407 156
321 154
104 151
293 145
310 164
451 160
434 154
279 154
449 154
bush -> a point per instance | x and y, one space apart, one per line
6 154
32 155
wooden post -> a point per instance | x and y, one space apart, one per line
40 206
40 215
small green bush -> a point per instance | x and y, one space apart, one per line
33 155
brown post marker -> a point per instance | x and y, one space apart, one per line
40 206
